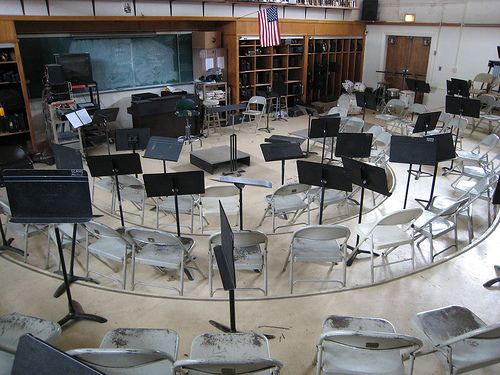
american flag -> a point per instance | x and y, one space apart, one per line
269 32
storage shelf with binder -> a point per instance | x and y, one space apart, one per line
259 66
331 61
326 4
15 121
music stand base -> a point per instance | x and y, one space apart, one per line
13 249
224 328
354 254
79 314
266 129
71 279
420 173
447 171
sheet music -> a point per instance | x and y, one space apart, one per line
78 118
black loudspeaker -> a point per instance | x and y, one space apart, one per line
369 10
54 74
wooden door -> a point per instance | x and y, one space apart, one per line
407 56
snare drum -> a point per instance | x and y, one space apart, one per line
393 93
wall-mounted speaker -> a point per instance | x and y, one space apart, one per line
369 10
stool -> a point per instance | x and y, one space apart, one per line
211 119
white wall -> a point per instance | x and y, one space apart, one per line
455 52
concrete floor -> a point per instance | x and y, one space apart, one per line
456 281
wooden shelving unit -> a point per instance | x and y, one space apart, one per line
15 125
331 61
260 66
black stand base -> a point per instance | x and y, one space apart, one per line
79 314
491 282
71 279
354 254
7 247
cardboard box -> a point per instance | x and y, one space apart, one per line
204 59
206 39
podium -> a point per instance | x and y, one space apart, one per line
324 176
52 197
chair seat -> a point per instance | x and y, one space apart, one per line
307 250
184 202
331 196
386 117
251 112
467 155
438 226
109 247
385 236
246 258
160 256
352 361
473 354
288 203
490 117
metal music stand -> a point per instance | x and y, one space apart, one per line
354 145
163 148
325 176
460 87
233 157
66 157
131 139
114 166
224 255
37 357
366 100
102 117
324 127
425 122
52 197
495 200
269 109
368 177
460 106
281 151
418 85
179 183
240 183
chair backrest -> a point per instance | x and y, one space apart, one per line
13 326
483 78
142 237
487 102
373 341
454 207
100 230
245 238
259 100
165 340
376 130
351 323
217 191
460 123
384 139
323 232
338 110
444 323
353 126
490 141
401 217
395 106
291 189
417 108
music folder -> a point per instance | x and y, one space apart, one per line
78 118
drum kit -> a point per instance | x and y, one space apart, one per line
385 93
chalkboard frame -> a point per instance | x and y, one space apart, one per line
36 51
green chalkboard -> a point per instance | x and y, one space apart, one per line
117 63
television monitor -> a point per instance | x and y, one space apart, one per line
76 67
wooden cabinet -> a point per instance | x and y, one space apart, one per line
331 61
15 122
261 68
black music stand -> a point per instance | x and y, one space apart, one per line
114 166
323 127
418 85
240 183
281 151
37 357
354 145
131 139
52 197
179 183
366 100
233 157
224 255
425 122
67 157
268 111
368 177
460 106
495 200
102 117
163 148
458 87
324 176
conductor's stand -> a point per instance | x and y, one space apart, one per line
187 108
